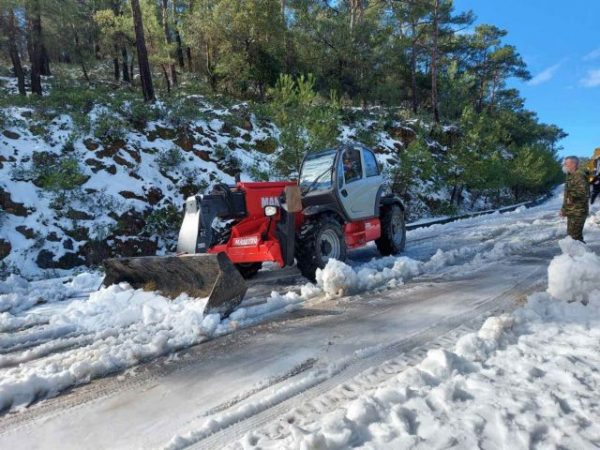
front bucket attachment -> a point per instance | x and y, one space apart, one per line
198 275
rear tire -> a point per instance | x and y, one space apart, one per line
393 231
319 240
248 270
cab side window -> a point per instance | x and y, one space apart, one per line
352 165
371 167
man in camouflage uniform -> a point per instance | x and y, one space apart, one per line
575 204
594 174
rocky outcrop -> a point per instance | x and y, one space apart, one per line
6 203
11 134
26 231
46 260
5 249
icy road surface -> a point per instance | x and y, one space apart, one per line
300 366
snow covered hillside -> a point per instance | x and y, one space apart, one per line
129 184
381 353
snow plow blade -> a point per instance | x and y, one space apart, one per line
198 275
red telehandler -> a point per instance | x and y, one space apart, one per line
338 204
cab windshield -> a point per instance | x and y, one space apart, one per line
316 171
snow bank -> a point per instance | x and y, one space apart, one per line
574 275
526 379
338 279
17 294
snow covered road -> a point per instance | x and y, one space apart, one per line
281 352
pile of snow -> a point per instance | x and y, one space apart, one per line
17 294
338 279
526 379
574 275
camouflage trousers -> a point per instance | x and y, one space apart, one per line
575 227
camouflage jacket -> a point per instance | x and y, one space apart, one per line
576 195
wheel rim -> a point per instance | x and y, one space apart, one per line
330 245
397 229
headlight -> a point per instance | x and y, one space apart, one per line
270 210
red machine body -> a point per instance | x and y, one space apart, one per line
254 237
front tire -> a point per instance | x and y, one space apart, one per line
393 231
318 241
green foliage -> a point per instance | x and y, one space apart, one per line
257 173
139 114
69 145
532 171
306 122
108 127
53 173
415 164
181 112
244 40
163 222
366 137
170 159
221 152
268 145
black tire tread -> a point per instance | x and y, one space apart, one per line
306 239
385 244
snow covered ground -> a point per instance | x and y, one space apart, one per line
526 377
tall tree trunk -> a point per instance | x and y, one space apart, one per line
180 58
209 68
165 18
434 61
13 51
35 46
140 43
188 52
116 67
357 9
45 61
177 36
126 77
131 68
166 75
481 87
85 72
413 73
286 39
81 59
494 88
